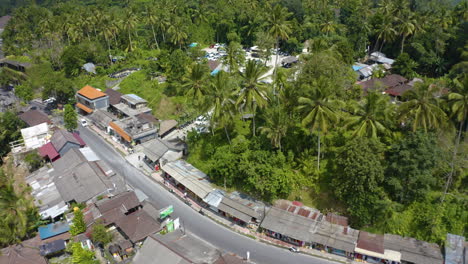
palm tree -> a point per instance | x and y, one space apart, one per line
328 27
386 32
130 22
107 32
371 116
219 98
279 27
459 108
276 125
234 57
319 112
195 82
253 92
406 28
151 19
422 109
178 34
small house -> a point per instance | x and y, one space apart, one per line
131 105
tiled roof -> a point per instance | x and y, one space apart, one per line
120 131
34 117
84 108
138 225
371 242
49 151
62 137
91 92
114 96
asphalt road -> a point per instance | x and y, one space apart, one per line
205 228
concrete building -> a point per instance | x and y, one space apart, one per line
89 99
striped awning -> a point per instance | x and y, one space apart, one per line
120 131
84 108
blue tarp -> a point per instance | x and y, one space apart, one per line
53 229
214 72
357 68
192 45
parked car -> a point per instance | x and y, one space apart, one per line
84 123
294 249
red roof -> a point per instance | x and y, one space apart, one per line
296 203
371 242
49 151
77 136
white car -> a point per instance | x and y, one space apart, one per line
84 123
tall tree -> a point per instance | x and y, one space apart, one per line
422 109
371 116
70 118
195 82
276 125
406 27
130 22
411 167
359 173
386 32
253 93
219 99
235 57
318 112
459 108
78 224
151 19
280 27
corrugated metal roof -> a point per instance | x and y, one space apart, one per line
189 176
454 247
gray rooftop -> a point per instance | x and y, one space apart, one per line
156 148
81 183
177 248
336 236
136 128
78 179
166 125
101 118
61 137
413 250
46 196
189 176
127 110
133 99
289 224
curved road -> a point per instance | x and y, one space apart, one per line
205 228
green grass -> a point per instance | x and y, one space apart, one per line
19 58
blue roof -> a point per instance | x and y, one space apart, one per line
134 96
53 229
215 71
357 68
454 249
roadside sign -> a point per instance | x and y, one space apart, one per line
176 223
166 212
170 226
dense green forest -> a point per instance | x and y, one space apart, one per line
312 135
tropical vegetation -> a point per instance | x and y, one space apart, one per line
307 133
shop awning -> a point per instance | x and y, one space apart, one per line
120 131
84 108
